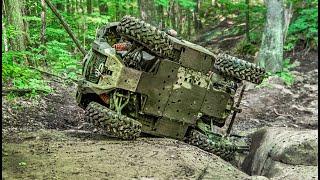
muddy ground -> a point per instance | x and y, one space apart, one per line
68 155
47 137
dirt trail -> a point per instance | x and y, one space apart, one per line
64 155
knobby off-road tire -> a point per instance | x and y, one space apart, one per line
223 148
152 38
239 69
107 120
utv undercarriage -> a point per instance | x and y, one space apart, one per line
137 78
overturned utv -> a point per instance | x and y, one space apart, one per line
139 79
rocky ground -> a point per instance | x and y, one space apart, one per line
43 138
279 106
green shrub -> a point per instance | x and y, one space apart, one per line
21 77
245 47
304 27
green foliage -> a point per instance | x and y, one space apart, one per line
234 12
20 76
164 3
187 4
304 27
286 74
245 47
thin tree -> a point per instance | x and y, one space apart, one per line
139 8
118 10
4 31
197 21
43 28
68 4
13 9
248 20
173 15
147 10
189 24
131 10
162 24
60 6
103 8
89 6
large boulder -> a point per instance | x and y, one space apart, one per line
280 171
283 152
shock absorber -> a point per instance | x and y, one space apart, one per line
124 46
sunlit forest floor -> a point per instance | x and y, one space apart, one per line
47 137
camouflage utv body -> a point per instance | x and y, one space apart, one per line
160 85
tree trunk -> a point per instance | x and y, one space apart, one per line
172 15
72 6
179 20
89 6
139 8
197 21
103 8
131 10
68 6
60 6
13 9
287 18
247 21
117 10
161 17
76 6
82 7
43 23
4 35
26 25
213 2
189 24
43 29
271 51
147 8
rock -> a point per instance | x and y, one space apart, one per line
259 178
222 171
279 171
276 80
249 86
304 109
298 79
314 104
282 89
310 87
288 146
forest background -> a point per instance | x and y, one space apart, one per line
34 42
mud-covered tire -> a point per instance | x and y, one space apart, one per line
239 69
109 121
152 38
223 148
